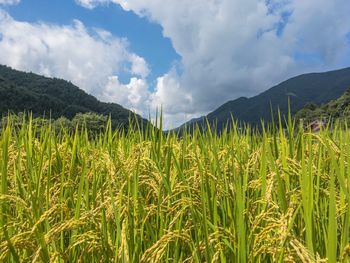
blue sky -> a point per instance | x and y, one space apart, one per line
187 56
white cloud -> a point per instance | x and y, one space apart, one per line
232 48
169 95
90 4
172 100
73 52
9 2
139 66
133 95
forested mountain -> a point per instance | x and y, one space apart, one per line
20 91
317 88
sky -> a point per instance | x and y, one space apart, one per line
186 57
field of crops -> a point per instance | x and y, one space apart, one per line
277 196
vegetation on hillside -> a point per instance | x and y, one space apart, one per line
276 196
335 110
92 122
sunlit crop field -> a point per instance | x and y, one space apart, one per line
280 195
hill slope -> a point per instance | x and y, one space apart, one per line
20 91
338 109
316 88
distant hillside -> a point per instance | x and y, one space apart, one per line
20 91
317 88
334 110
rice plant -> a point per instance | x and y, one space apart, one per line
276 195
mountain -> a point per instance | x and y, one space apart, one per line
21 91
317 88
334 110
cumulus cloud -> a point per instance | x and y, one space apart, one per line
139 66
90 4
88 58
232 48
168 94
9 2
134 95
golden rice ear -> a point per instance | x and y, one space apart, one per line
241 196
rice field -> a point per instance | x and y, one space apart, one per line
280 195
